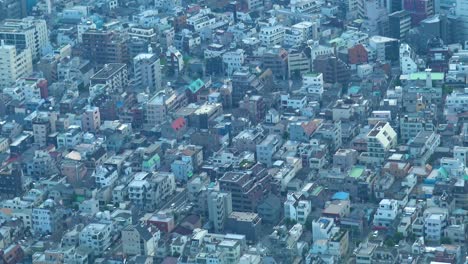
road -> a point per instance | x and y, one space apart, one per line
178 199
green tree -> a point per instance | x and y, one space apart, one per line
446 240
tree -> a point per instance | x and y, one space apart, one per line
446 240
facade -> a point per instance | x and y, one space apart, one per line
219 208
462 14
96 237
45 218
399 24
15 64
105 46
27 33
379 141
254 182
91 119
113 75
147 71
265 150
386 213
139 240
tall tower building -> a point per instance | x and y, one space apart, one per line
14 64
27 33
147 70
462 13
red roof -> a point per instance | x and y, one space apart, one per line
178 123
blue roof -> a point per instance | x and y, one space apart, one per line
341 196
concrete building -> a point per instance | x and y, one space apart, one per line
248 188
113 75
399 24
379 141
45 218
147 72
148 190
15 64
162 103
139 240
296 208
386 213
384 49
27 33
269 146
96 237
244 223
219 208
408 61
105 46
91 119
462 13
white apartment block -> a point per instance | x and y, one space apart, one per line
408 58
233 61
386 213
27 33
14 64
272 35
147 70
96 237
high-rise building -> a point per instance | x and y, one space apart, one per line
462 13
419 9
105 46
147 70
14 64
248 188
399 24
27 33
219 208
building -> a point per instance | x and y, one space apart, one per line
423 146
15 64
384 49
386 213
45 218
399 24
333 69
380 140
322 228
271 35
276 59
244 223
408 60
219 208
27 33
113 75
233 61
96 237
296 208
298 63
105 46
147 72
462 14
91 119
435 221
256 107
418 9
248 188
162 103
139 240
266 150
148 190
242 82
11 181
